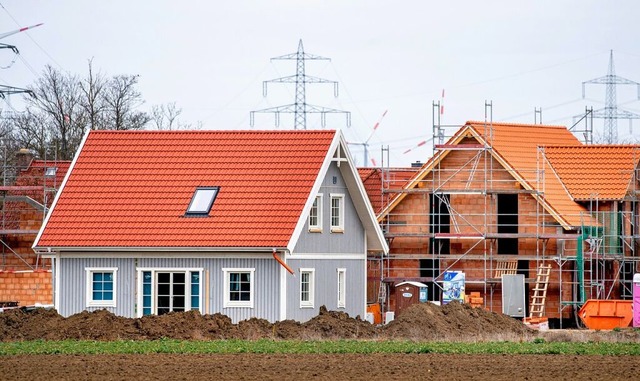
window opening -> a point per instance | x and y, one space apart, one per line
202 200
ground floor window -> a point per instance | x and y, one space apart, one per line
101 286
342 285
307 285
169 290
238 287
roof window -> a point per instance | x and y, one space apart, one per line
202 201
50 171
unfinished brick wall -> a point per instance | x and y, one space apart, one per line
26 287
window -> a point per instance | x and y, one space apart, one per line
315 215
50 171
337 213
101 287
169 290
238 287
342 285
202 201
307 285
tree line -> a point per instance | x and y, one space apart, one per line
62 106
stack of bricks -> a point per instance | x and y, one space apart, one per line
26 287
474 299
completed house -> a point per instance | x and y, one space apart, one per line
265 224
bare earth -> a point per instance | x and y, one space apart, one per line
322 367
424 322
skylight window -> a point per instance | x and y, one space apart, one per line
202 201
50 171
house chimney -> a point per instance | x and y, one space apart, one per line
23 159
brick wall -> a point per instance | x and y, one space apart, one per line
26 287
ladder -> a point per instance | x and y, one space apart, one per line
382 293
540 292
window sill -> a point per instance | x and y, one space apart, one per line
315 230
306 306
337 230
101 304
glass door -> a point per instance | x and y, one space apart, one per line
170 292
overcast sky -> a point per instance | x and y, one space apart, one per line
211 58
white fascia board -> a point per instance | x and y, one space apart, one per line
361 200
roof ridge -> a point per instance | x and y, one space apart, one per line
512 124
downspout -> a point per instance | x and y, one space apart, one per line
280 261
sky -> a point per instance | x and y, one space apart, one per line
389 58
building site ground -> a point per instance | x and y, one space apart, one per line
423 323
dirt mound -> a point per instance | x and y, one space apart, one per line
455 322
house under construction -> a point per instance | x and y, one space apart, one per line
28 189
501 202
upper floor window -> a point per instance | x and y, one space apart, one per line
337 213
315 215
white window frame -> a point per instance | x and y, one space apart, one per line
312 285
342 287
317 228
339 228
154 285
89 271
252 283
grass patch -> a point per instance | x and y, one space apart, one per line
73 347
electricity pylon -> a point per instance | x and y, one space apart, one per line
611 113
300 108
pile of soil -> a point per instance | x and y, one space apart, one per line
452 322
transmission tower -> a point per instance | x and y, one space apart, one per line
300 108
611 113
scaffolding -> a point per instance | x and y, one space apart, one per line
28 188
506 231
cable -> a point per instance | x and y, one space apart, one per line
31 38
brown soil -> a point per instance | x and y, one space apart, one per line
423 322
320 367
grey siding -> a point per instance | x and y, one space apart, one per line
352 240
326 287
266 284
73 281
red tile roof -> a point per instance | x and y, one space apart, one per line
132 188
394 179
601 172
516 147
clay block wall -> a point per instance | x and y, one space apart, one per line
26 287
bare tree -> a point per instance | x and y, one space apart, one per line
122 98
93 88
59 98
165 117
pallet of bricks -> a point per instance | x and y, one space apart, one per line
474 299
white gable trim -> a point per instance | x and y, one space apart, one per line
64 182
356 191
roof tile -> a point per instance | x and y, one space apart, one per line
132 188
